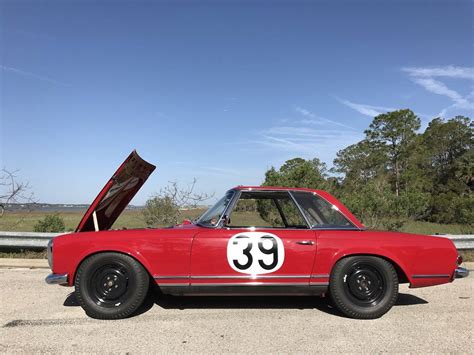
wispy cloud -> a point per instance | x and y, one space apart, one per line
364 109
305 132
449 71
207 170
307 141
308 137
437 87
222 170
426 78
318 120
30 75
372 111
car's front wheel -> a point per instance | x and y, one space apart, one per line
363 287
111 285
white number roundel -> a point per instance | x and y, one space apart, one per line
255 253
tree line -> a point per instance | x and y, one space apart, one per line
397 173
393 175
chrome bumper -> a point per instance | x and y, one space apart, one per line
57 279
460 272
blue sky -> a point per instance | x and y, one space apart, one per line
220 91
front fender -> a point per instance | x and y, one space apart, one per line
163 252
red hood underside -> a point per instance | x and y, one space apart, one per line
116 194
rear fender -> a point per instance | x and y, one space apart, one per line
328 257
401 269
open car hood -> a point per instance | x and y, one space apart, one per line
116 194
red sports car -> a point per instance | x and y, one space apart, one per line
253 241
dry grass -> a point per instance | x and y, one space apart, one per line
467 255
23 254
25 221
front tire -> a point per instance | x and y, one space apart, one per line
363 287
111 285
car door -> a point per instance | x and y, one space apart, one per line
264 242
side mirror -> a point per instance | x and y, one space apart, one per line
225 221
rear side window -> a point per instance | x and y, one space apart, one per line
320 213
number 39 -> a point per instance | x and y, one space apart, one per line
255 252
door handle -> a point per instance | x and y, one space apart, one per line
305 242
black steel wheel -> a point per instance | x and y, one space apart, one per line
364 287
111 285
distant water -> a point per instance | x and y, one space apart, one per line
49 207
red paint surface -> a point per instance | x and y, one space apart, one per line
209 255
188 250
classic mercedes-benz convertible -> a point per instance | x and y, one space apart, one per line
253 241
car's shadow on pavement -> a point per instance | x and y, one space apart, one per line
155 297
405 299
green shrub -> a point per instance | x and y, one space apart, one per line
161 211
52 223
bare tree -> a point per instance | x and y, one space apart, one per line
13 191
165 208
185 197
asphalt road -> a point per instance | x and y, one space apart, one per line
35 317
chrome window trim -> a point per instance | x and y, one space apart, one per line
239 193
251 229
224 213
354 227
230 206
338 229
338 210
299 209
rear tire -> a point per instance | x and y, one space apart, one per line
363 287
111 285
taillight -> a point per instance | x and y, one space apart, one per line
459 260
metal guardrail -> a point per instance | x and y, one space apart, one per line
462 242
27 240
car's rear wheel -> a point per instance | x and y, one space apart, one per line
363 287
111 285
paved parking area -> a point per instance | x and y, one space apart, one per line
35 317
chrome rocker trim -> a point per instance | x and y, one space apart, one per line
251 277
461 272
430 276
57 279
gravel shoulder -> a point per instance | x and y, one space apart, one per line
35 317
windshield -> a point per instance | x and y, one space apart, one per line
213 214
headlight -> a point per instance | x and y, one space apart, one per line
50 254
